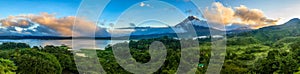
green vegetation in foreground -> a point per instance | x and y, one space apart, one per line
244 55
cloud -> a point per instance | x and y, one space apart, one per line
45 30
17 31
142 4
220 14
49 23
132 24
16 22
120 32
111 24
189 11
64 25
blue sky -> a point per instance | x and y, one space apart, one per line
59 7
63 8
273 8
116 8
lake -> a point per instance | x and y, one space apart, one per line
78 43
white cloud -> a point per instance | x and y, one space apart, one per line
142 4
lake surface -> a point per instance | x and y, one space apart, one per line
77 43
93 44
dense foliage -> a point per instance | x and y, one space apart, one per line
47 60
11 45
243 55
7 66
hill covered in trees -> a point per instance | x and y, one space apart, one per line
244 55
274 33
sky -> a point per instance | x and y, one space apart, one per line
56 15
176 10
59 7
62 8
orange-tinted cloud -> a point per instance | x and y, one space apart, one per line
63 25
16 22
220 14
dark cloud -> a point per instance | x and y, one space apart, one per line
45 30
132 24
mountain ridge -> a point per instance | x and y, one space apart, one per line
276 32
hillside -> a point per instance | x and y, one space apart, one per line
274 33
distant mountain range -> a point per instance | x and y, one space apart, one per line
274 33
188 25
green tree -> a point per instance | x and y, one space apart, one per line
298 71
63 55
7 66
35 62
12 45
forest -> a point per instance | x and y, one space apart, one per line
243 55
